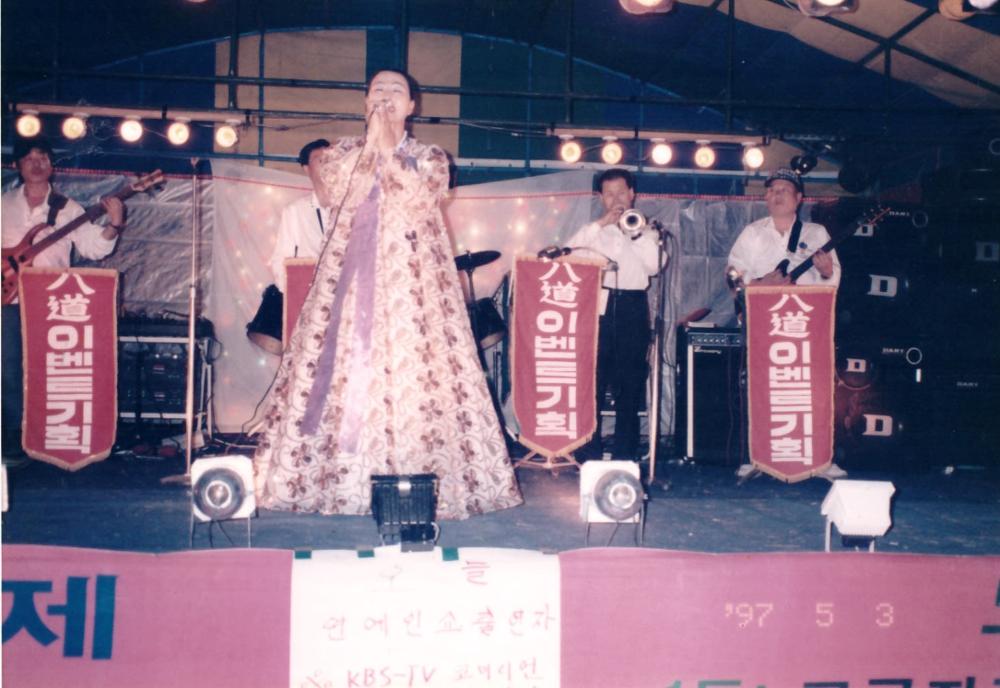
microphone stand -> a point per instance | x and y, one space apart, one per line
185 477
656 382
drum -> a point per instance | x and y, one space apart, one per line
265 328
487 325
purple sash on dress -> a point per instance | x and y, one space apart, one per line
359 268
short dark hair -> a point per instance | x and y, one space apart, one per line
615 173
23 146
307 150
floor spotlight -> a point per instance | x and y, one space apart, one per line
222 488
74 127
404 507
179 132
130 130
704 156
226 136
753 156
646 6
859 508
611 151
822 8
28 124
570 149
662 153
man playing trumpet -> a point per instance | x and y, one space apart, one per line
631 251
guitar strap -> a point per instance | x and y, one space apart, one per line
56 203
793 237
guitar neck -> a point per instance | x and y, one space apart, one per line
89 215
802 267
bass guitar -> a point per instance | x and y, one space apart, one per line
21 255
869 218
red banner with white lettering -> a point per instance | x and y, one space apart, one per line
790 379
555 353
298 278
70 335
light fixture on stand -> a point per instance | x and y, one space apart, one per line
28 124
859 508
75 126
570 149
404 508
611 492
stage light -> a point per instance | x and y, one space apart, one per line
753 156
646 6
28 124
226 135
704 156
610 492
130 130
570 150
964 9
822 8
179 132
222 488
404 508
662 153
611 151
803 163
859 508
74 127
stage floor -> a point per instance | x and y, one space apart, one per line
121 504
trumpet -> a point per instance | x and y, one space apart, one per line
632 222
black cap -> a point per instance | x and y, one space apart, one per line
23 146
787 175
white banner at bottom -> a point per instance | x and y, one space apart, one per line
478 617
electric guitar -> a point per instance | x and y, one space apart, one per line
869 218
21 255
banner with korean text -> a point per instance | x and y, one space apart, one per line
298 278
443 618
555 353
70 339
790 379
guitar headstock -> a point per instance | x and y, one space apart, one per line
151 180
874 215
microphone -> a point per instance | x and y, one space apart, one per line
553 252
658 226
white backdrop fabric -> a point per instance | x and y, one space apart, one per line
239 210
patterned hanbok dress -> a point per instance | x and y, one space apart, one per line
381 375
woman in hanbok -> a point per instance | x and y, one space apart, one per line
381 376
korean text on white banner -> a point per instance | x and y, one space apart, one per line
443 618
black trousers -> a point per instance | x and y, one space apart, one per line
622 346
13 390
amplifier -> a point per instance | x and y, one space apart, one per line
709 400
152 376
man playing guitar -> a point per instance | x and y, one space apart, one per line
781 238
31 204
767 250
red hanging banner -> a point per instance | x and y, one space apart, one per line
555 353
790 379
70 336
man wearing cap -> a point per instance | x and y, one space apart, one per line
763 244
32 203
302 228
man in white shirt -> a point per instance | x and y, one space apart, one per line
624 327
302 229
32 203
764 244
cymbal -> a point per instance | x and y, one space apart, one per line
471 261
